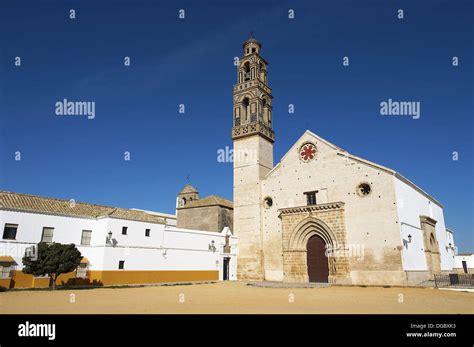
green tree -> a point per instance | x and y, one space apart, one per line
52 260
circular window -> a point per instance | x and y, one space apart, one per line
268 202
307 152
364 189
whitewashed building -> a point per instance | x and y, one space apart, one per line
119 246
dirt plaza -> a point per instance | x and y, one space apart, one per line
236 297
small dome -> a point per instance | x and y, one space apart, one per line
252 40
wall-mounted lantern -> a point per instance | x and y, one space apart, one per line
212 246
406 242
450 247
108 239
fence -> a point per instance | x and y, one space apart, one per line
454 280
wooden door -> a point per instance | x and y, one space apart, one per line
318 269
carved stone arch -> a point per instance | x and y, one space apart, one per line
241 97
299 226
244 62
308 227
431 245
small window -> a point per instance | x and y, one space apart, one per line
5 270
363 189
86 237
147 232
81 271
311 198
268 202
47 235
124 230
253 50
121 264
9 232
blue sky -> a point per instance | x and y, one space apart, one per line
190 62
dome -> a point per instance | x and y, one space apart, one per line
252 41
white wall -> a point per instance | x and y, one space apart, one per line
469 259
135 233
167 247
30 228
411 204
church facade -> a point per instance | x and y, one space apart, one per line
322 214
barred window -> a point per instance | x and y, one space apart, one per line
86 237
5 271
311 198
47 235
81 271
9 232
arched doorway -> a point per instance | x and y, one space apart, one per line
295 252
317 261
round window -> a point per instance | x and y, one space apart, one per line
363 189
267 202
307 152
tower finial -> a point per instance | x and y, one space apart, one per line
251 34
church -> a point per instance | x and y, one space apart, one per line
322 214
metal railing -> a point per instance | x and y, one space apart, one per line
454 280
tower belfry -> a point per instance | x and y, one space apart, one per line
252 95
253 137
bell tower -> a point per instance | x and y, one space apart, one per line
253 139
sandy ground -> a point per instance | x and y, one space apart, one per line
236 297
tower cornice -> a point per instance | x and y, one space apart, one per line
252 129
